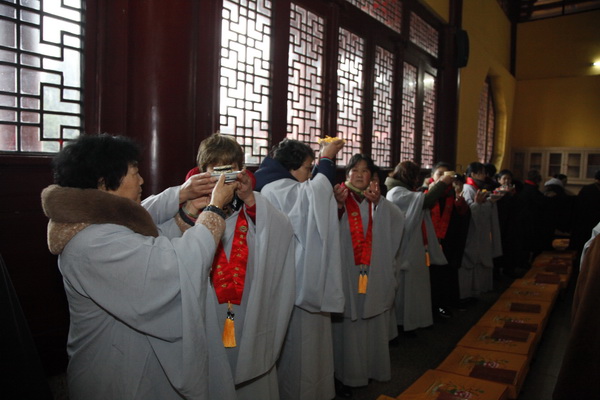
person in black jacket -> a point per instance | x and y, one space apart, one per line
534 219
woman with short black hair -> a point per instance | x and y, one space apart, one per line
292 153
287 179
136 286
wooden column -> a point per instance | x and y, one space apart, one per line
142 82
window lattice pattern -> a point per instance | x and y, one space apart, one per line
423 35
350 93
409 100
427 141
244 77
382 108
485 125
305 84
389 12
491 123
41 95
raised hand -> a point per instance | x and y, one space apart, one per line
480 197
197 186
372 193
244 191
341 194
330 149
223 192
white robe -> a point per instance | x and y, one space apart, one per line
476 274
262 318
413 299
361 335
586 246
305 369
137 310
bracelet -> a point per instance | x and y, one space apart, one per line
189 214
185 218
216 210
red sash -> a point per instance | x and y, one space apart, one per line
228 277
471 181
442 220
361 244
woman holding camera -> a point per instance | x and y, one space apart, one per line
251 295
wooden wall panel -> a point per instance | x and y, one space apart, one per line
32 269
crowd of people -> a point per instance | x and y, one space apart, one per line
282 284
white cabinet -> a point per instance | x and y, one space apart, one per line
578 164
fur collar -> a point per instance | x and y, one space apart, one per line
71 209
391 183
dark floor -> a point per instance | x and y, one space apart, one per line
414 355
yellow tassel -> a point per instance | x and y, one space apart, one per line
427 260
363 280
229 330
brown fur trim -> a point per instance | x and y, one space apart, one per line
67 206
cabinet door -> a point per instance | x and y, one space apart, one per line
518 167
535 161
554 164
592 165
573 167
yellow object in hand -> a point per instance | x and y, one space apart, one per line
329 139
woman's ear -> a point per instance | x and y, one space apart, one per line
102 185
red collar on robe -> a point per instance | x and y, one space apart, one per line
228 276
471 181
361 243
441 219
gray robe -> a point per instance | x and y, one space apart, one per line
137 305
305 369
413 299
261 320
475 275
361 336
586 246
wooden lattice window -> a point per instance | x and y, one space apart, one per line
381 148
305 80
486 124
245 78
429 110
41 91
350 93
409 104
325 85
388 12
423 35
